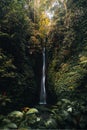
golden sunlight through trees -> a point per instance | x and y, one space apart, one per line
44 24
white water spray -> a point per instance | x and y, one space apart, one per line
43 90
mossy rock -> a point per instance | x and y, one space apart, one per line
32 111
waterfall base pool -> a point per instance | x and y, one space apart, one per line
42 103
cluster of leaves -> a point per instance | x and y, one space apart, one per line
70 114
18 119
30 119
66 114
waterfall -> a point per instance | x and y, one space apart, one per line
43 90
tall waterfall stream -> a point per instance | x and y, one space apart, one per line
43 89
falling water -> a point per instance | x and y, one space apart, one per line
43 90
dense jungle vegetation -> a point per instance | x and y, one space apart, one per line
25 27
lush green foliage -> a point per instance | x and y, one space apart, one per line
70 114
66 114
17 78
25 27
67 71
